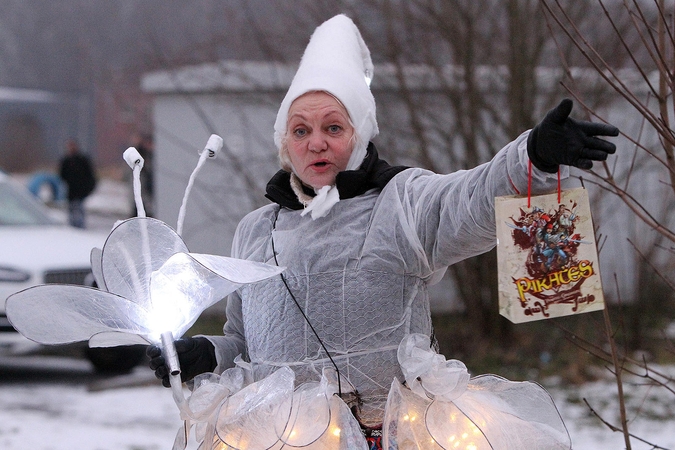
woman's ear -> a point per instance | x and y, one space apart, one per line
284 156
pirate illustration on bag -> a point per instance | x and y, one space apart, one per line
549 238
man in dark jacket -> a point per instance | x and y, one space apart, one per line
77 172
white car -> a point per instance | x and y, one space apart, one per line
36 248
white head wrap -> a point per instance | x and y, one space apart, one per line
336 61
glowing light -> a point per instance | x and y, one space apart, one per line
406 418
471 447
167 318
336 432
465 435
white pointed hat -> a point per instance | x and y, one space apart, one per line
336 61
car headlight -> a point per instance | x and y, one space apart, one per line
8 274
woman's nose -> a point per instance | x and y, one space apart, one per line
317 143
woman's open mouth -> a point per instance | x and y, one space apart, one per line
320 166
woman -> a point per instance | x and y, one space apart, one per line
361 240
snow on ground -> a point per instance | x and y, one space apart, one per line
650 413
143 416
69 417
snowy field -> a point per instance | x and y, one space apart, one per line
76 416
82 411
650 412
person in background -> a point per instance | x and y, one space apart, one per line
77 172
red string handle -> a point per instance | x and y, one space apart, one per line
529 183
558 184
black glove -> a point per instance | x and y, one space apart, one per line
195 355
559 139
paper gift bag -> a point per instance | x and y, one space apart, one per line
547 256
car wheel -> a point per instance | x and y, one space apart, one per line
118 360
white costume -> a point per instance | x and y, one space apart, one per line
360 270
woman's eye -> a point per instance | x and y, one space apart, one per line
334 128
299 132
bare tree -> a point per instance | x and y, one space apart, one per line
640 70
655 39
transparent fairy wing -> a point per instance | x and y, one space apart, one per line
96 269
237 271
115 338
61 314
134 249
138 252
187 284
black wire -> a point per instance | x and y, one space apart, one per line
274 253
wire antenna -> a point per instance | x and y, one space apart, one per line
213 146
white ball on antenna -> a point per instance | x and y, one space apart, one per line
213 145
133 158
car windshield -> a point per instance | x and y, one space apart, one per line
18 208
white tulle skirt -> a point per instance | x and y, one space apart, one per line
439 407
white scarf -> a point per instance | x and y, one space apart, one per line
325 199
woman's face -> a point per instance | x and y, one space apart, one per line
319 138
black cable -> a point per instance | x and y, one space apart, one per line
274 253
